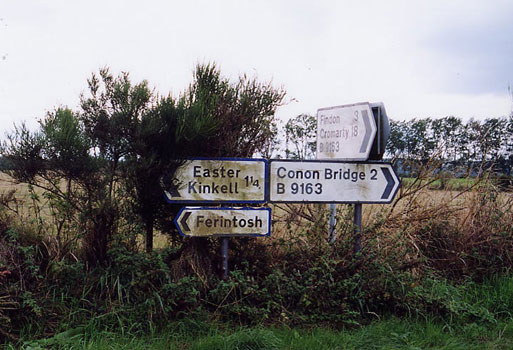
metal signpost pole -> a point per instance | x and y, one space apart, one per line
357 228
332 223
224 254
224 223
344 132
355 132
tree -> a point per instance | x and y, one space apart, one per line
244 111
447 135
300 134
419 142
396 144
111 115
113 153
141 137
166 135
57 159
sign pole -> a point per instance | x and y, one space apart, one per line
224 254
357 228
332 235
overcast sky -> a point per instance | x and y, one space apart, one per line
420 58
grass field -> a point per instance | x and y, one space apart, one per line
288 219
390 334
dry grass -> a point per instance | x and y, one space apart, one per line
455 232
451 230
31 205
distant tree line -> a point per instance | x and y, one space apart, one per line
463 147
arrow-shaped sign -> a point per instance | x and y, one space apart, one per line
345 132
206 222
218 180
332 182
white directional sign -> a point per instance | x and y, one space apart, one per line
332 182
221 180
345 132
205 222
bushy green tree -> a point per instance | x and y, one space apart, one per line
112 153
244 111
57 159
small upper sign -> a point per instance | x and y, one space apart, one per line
345 132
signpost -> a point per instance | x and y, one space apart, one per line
332 182
356 132
218 180
347 137
224 222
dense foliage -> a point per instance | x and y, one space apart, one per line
414 262
112 154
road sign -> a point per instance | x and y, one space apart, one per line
218 180
332 182
206 222
345 132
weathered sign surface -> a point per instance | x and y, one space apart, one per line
206 222
345 132
332 182
218 181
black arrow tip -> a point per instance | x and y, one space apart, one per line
183 221
390 183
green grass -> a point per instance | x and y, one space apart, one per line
391 333
478 315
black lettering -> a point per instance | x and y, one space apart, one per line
199 220
279 174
